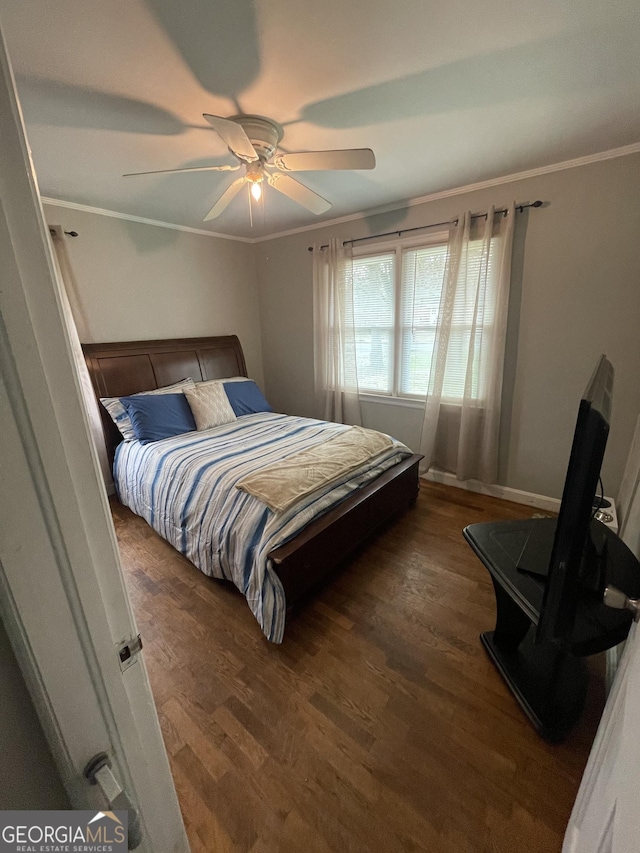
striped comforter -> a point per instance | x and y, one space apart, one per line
185 488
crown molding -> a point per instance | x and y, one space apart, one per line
611 154
114 214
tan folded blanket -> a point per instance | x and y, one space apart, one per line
280 485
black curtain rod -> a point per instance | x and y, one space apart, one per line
52 231
402 231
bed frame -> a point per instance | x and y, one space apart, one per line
119 369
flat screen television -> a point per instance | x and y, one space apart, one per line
575 568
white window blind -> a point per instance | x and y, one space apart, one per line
422 281
422 276
394 352
374 304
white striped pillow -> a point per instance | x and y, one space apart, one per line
206 382
119 414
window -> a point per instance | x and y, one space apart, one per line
397 296
374 310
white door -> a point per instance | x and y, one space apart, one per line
605 816
62 595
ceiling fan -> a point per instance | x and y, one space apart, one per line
253 140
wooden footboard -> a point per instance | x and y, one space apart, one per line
316 552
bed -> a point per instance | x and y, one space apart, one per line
293 554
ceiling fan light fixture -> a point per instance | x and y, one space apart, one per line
254 177
255 173
253 140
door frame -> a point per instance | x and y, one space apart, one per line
63 597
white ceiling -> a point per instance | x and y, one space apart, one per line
446 94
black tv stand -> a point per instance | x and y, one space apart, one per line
548 680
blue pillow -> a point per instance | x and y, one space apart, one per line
246 398
157 416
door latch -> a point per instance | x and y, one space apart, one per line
98 772
128 651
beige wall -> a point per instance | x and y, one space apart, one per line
139 282
575 294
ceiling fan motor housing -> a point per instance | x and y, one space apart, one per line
264 134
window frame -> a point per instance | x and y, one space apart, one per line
397 247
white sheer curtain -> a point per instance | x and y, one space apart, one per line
77 328
336 373
470 336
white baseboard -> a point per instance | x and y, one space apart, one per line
505 493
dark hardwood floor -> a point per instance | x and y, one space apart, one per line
378 725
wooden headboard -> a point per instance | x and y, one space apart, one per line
123 368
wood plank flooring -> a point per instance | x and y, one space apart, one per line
378 725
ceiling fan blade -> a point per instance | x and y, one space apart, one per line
190 169
298 192
317 161
234 136
225 199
